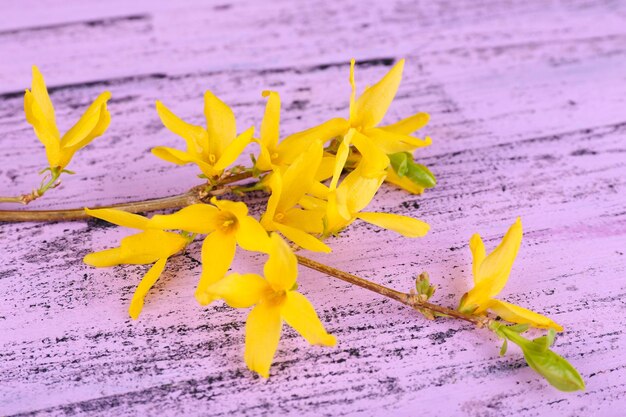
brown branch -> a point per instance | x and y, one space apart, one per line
197 194
411 300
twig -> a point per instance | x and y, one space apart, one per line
411 300
196 194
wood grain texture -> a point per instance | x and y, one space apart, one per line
528 107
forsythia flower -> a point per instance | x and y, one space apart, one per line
147 247
368 111
227 224
213 149
271 151
40 114
490 276
274 300
347 200
288 188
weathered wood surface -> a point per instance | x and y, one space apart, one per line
528 106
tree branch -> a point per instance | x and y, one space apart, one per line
411 300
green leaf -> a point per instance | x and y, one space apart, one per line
504 347
404 165
519 328
544 342
554 368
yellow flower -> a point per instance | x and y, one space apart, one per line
213 149
227 224
274 154
347 199
150 246
491 274
274 300
368 111
288 188
40 114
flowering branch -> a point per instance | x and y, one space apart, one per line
309 201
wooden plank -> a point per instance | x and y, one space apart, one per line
527 102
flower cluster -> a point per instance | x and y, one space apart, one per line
309 202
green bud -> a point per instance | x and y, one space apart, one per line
404 165
423 287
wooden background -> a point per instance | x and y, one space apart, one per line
528 106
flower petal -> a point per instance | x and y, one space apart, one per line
148 280
478 254
309 221
352 90
275 182
264 159
239 291
516 314
195 136
271 120
251 235
281 269
390 142
196 218
357 191
142 248
495 269
373 159
406 226
371 106
313 203
46 132
299 177
342 156
262 336
326 168
337 217
408 125
120 218
105 258
40 95
294 145
220 122
302 239
218 252
175 156
93 121
299 313
234 149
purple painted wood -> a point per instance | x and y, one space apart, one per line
528 105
